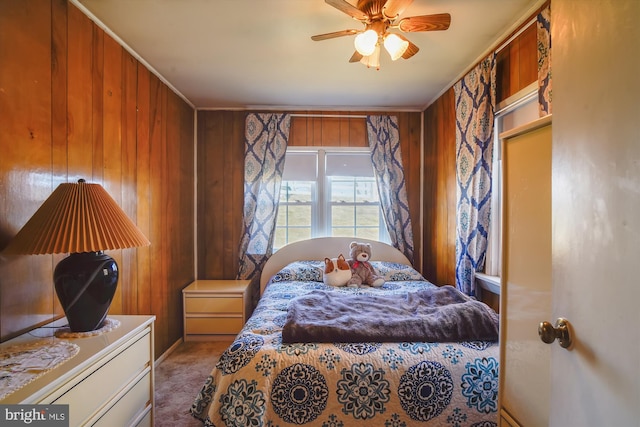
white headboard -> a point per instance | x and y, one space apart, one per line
319 248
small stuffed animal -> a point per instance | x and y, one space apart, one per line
336 271
362 272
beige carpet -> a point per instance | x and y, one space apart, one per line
179 377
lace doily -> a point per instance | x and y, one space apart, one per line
107 325
22 364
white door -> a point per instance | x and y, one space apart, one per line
596 212
595 230
526 274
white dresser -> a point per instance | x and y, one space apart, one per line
109 382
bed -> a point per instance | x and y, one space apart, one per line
262 381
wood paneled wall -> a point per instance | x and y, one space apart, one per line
319 129
221 174
75 104
517 64
439 208
516 69
220 192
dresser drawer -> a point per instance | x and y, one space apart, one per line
214 305
146 420
213 325
88 397
130 406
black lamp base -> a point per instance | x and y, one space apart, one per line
85 283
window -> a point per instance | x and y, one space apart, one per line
518 110
328 192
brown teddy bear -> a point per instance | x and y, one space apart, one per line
362 272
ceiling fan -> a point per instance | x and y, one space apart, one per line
378 17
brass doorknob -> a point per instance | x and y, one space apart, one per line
549 334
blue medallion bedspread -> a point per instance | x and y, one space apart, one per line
259 381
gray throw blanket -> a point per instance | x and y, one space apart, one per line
441 314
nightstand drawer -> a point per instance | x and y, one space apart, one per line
213 325
213 305
215 309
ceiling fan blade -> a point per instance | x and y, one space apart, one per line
437 22
412 49
356 57
348 8
335 34
393 8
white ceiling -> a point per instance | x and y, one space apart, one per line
258 54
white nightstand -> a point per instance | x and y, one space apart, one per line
215 309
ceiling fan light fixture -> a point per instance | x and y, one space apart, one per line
379 16
366 42
373 60
395 45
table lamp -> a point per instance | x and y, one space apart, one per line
83 220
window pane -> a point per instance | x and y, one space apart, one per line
343 189
284 236
368 233
292 214
342 232
280 238
364 232
366 191
295 212
296 234
368 215
299 215
354 189
296 191
342 215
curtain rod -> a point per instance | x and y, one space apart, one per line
336 116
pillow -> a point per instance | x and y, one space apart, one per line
337 272
395 272
305 271
313 271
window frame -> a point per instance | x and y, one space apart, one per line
321 203
490 277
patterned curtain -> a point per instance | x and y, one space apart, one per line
266 137
384 141
474 104
544 61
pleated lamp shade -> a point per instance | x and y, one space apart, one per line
77 217
84 221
